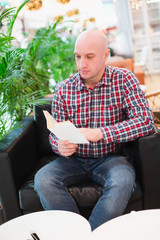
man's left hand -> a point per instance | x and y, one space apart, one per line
92 135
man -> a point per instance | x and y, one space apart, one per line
109 108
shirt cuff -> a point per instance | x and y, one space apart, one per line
54 143
108 134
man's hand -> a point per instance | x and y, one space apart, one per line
92 135
65 148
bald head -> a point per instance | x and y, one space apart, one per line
93 37
91 53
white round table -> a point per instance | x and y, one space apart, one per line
48 225
144 225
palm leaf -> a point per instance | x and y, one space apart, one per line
7 13
5 39
14 17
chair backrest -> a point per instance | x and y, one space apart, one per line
121 63
42 133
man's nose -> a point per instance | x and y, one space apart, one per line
83 63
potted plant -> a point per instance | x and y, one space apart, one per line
25 73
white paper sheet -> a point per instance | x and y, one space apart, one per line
65 130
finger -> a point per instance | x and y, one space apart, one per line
66 149
64 144
66 153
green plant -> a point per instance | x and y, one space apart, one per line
25 73
49 56
10 77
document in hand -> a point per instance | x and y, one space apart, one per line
64 130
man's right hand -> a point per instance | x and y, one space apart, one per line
65 148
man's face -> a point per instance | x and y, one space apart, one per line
90 59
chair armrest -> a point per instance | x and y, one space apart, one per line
148 163
18 158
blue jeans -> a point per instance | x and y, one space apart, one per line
114 173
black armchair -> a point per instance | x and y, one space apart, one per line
25 150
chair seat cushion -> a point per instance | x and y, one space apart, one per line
85 194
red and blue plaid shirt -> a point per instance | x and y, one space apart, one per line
116 105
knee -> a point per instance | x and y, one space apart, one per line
47 177
122 176
44 178
40 180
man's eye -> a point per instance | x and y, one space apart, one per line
77 57
89 56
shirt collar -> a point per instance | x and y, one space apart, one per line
80 84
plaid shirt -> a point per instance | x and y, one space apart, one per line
116 105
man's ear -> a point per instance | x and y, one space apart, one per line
106 56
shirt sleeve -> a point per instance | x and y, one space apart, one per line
139 118
58 112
